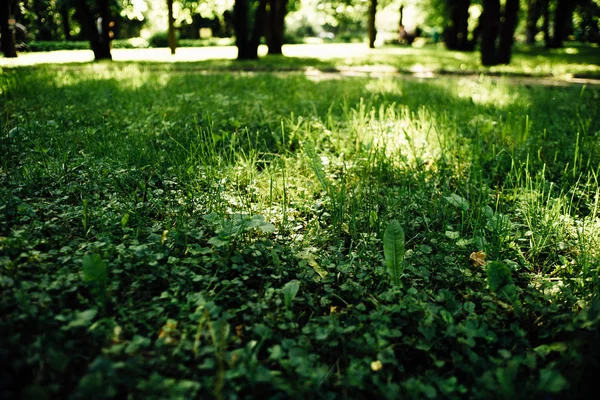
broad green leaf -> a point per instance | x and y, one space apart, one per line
315 265
458 201
309 258
546 349
124 220
83 318
498 275
316 164
452 234
393 250
500 282
94 269
290 290
552 381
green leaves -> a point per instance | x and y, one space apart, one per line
290 290
316 165
500 282
458 202
393 250
94 269
229 230
95 274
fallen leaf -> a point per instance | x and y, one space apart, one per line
239 330
478 258
376 365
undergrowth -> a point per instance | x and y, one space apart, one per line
178 235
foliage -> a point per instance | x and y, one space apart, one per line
168 234
160 39
393 248
58 45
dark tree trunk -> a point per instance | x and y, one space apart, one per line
490 20
9 48
104 45
94 29
275 33
65 22
401 23
247 41
171 26
371 23
546 21
562 19
498 29
241 9
533 14
457 33
507 31
258 29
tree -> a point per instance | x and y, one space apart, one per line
94 18
562 18
171 23
545 5
497 30
533 15
248 31
8 38
276 25
64 8
507 31
371 23
456 34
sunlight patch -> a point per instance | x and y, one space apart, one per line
485 92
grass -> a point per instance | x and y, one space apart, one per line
170 234
575 60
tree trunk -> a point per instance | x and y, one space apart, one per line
562 17
102 51
9 48
507 31
96 27
275 33
171 28
248 41
490 19
65 22
241 9
457 33
533 14
546 22
371 23
258 29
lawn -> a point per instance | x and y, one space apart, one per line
574 61
171 233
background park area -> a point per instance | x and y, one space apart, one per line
295 199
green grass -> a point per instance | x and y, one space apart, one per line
171 234
575 60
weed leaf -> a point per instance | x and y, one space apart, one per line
82 318
316 164
498 275
94 269
290 290
458 201
393 250
501 283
